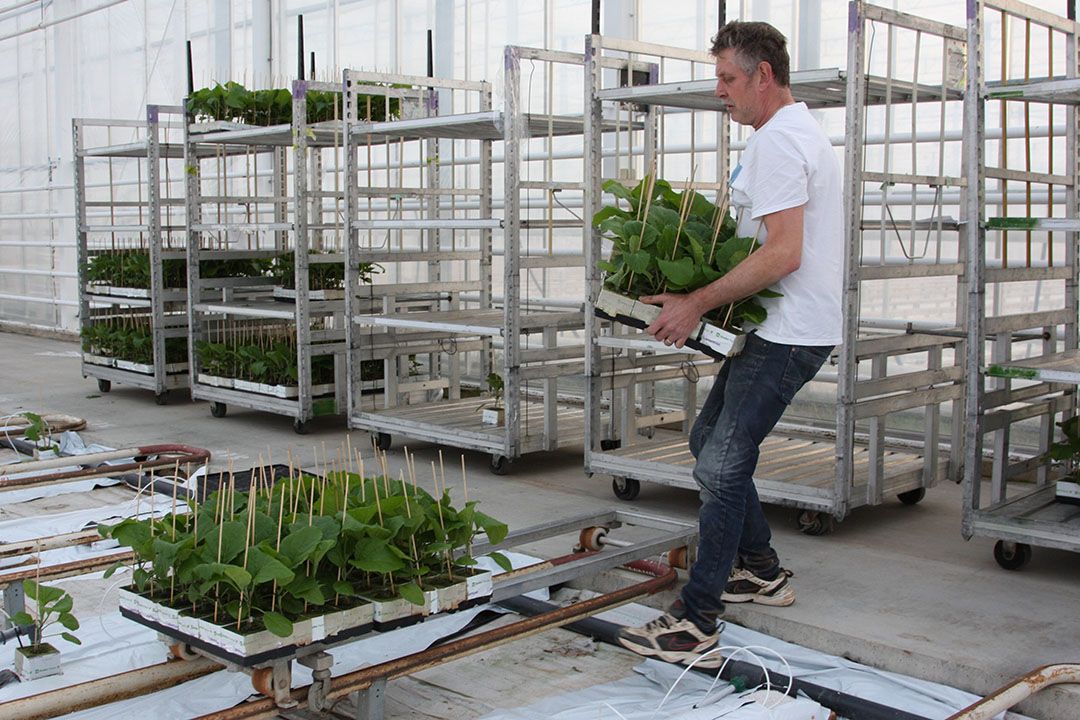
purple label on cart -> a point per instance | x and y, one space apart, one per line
300 89
853 17
151 113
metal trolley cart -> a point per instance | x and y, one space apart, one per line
896 371
129 211
1022 360
421 205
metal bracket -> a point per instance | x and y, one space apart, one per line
14 602
370 703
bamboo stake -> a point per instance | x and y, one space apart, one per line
442 523
172 575
465 491
412 537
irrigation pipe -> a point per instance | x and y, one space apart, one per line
662 578
157 456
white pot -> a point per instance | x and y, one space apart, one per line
1067 491
493 416
32 667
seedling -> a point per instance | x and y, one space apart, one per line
38 432
54 607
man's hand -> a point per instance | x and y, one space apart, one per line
679 317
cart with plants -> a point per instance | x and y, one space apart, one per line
469 292
265 200
660 223
129 210
290 568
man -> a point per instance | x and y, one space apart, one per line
787 193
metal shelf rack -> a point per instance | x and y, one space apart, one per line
128 203
267 194
1022 361
824 465
433 226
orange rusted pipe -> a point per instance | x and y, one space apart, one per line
1019 690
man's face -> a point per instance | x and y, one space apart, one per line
738 90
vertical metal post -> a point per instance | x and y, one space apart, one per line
353 360
512 139
593 196
853 193
193 215
82 252
975 241
157 280
300 249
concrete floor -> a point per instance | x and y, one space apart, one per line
894 587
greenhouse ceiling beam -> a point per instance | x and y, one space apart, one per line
45 24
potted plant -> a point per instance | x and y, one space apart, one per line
41 659
253 573
494 413
37 431
1067 488
667 241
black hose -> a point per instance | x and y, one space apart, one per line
843 704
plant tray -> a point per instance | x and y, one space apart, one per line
1067 491
280 391
170 368
115 291
245 649
707 338
289 294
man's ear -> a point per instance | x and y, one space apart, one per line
765 70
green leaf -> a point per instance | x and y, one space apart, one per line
374 555
501 560
640 261
609 212
265 568
678 272
619 190
278 624
240 577
68 620
71 638
22 618
299 544
412 593
496 531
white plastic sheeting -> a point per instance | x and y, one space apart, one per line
113 644
638 697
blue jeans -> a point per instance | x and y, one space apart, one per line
746 401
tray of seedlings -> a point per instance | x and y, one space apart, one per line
252 576
669 241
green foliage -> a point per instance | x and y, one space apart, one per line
234 267
496 387
675 242
270 362
37 431
130 340
131 269
1068 450
321 275
54 606
233 102
276 553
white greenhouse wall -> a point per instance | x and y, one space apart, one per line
109 58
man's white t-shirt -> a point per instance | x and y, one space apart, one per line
789 162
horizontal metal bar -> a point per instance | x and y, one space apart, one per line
913 22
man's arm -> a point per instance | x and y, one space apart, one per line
781 255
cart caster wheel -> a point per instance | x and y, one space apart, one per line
500 465
299 426
679 558
262 680
104 385
625 488
812 522
912 497
382 441
1010 555
162 398
592 538
218 409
